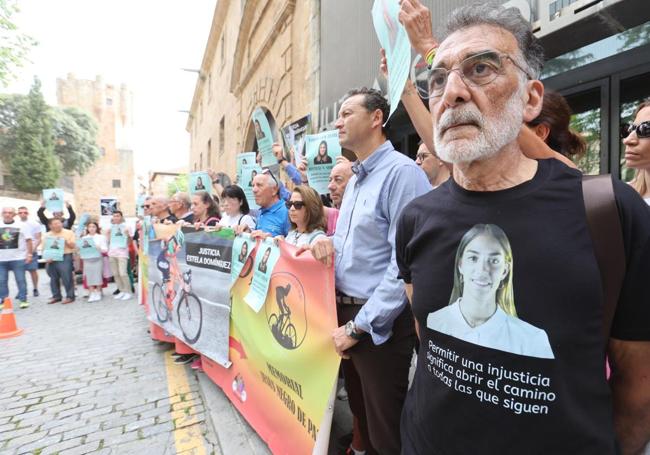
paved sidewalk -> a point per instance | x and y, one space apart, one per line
86 378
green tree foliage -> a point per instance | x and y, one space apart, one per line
75 134
14 45
180 183
33 165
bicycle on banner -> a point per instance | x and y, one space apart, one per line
188 309
281 327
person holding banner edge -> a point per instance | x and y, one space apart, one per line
376 322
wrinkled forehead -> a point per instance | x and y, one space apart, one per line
473 40
354 102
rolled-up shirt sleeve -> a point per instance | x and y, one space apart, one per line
389 298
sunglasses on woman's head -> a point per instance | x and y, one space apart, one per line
297 204
642 130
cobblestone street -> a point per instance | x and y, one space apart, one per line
86 377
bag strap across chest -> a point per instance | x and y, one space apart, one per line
604 226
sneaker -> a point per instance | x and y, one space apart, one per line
36 294
23 304
184 359
126 296
197 365
117 291
94 297
118 296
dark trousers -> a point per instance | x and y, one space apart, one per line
376 378
61 271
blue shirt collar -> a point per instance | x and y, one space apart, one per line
365 167
274 208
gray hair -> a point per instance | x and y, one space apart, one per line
183 198
509 19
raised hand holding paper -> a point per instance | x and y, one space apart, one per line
243 159
200 181
83 220
322 151
393 38
139 207
53 198
249 171
294 137
266 256
264 137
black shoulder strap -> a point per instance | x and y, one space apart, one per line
607 236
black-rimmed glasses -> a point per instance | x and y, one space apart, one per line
642 129
475 71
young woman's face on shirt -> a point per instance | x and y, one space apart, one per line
483 266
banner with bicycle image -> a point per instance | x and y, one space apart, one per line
284 366
189 287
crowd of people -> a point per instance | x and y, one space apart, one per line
424 256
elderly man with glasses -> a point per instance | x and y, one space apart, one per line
180 206
502 249
273 217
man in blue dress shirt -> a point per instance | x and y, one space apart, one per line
376 330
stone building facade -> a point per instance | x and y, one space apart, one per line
113 173
260 53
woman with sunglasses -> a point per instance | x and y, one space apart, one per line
636 138
306 215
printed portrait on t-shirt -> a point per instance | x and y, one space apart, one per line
481 308
9 238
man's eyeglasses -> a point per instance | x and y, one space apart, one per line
422 156
642 130
475 71
297 204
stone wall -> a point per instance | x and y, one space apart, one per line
262 55
113 174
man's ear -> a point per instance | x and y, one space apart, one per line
534 100
377 118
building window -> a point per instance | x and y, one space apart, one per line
201 160
117 183
209 87
109 101
201 112
222 135
223 49
209 157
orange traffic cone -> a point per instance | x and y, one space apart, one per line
8 327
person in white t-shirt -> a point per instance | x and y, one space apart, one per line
94 267
118 237
236 209
15 252
36 229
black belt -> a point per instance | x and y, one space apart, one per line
343 299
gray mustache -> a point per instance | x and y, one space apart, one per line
460 115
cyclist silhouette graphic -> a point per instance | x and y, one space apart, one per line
281 327
168 266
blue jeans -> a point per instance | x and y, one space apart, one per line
18 267
61 271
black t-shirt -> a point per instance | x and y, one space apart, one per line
508 298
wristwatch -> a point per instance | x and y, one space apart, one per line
351 330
